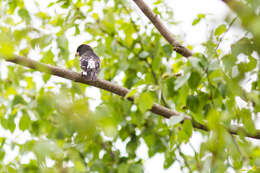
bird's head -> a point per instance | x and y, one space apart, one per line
82 49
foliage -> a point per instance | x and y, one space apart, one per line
66 135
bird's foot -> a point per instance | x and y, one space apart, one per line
83 73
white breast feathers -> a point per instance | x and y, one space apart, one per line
91 64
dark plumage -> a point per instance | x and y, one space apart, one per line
89 62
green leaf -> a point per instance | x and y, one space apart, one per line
63 45
43 15
252 63
187 126
128 30
18 100
156 63
144 54
19 34
46 77
223 89
2 154
213 66
157 2
12 6
51 4
109 20
198 19
243 45
242 67
220 30
181 81
10 122
11 169
246 67
194 80
42 149
185 133
123 168
247 120
213 119
23 13
136 168
77 30
6 49
131 146
24 122
124 132
45 104
169 159
210 46
168 50
193 103
197 63
42 41
48 58
229 61
176 119
144 101
156 11
131 93
65 3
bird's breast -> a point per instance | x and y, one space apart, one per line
91 63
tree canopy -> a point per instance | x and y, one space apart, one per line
154 89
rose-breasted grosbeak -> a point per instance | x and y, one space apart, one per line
89 62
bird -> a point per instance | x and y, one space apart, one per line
89 62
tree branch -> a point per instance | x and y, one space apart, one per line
162 29
76 77
109 86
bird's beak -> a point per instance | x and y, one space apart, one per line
76 54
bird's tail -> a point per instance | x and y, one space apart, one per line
91 75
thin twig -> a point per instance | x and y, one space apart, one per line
82 157
229 26
196 157
184 158
238 148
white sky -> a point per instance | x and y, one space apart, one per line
185 11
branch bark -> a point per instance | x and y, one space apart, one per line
162 29
109 86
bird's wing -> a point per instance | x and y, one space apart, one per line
97 63
84 62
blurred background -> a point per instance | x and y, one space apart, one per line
51 124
